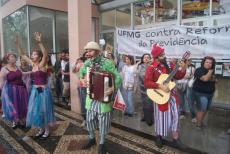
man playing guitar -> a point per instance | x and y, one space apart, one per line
165 114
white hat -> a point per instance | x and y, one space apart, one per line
92 45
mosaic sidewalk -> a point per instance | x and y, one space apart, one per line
67 137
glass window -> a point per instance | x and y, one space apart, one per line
41 20
109 39
102 1
108 19
220 7
123 16
221 21
13 24
144 12
191 8
62 41
166 10
3 2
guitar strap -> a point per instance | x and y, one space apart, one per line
167 67
159 71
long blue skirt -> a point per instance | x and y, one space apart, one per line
40 110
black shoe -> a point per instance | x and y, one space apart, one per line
149 123
90 143
22 126
14 126
130 115
101 149
159 142
178 144
142 119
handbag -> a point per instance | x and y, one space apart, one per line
191 82
181 86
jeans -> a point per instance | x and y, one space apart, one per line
191 101
59 87
203 101
182 101
128 98
82 95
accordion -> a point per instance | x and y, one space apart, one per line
98 83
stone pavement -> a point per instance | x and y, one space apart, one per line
67 137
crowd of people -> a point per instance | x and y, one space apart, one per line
28 90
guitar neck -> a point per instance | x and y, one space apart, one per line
171 75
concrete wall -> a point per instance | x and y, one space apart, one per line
80 21
61 5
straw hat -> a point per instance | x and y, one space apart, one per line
92 45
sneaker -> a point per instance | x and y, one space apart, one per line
182 117
159 142
101 149
89 144
194 120
178 144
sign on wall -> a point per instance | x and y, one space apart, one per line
201 41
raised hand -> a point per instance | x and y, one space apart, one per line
37 37
16 39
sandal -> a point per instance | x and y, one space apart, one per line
45 136
14 125
40 133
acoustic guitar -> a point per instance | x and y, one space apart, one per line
159 96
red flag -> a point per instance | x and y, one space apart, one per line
119 102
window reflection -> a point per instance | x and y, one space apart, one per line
123 16
12 24
61 31
220 7
195 8
41 20
144 12
166 10
108 20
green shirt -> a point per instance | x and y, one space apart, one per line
100 63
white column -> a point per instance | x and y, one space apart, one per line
79 25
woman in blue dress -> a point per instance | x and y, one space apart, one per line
40 110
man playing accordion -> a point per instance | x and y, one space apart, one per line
98 112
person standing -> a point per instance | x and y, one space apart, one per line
26 69
40 109
129 84
204 88
98 113
58 75
146 102
166 115
66 81
14 93
81 86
